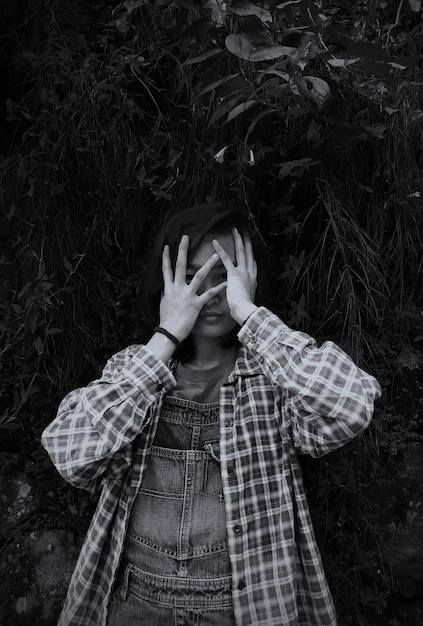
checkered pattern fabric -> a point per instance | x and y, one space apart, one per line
284 396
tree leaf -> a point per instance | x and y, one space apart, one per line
273 52
226 106
341 62
216 83
254 122
415 5
39 345
240 108
417 114
202 57
241 47
284 75
245 7
54 331
314 88
232 86
397 66
282 5
295 167
377 130
131 5
392 110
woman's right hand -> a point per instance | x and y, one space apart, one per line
180 304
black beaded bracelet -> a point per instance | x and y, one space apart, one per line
163 331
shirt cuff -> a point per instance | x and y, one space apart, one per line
147 371
264 327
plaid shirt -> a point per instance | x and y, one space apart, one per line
285 395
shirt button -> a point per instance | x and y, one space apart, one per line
237 529
229 423
231 471
253 338
241 585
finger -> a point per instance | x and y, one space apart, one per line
249 254
224 256
201 274
239 249
208 295
181 260
166 266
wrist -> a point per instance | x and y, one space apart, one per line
166 333
161 346
243 311
176 330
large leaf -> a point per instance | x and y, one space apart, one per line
314 88
245 7
242 48
273 52
295 168
234 85
227 105
415 5
283 75
240 108
278 69
131 5
341 62
203 56
254 123
216 83
283 5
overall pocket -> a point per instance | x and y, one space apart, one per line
212 477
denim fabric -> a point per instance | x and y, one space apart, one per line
147 600
175 569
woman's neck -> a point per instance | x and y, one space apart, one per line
209 352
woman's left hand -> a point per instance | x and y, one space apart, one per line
241 278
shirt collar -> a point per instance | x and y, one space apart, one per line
245 365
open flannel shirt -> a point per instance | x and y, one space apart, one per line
285 395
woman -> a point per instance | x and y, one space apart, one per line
193 440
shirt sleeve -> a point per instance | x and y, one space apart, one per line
95 426
328 398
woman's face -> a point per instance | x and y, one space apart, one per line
214 319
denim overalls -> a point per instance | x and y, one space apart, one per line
175 567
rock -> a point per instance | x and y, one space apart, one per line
19 499
36 568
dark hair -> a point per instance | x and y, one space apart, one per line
198 222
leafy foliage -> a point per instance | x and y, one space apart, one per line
307 113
